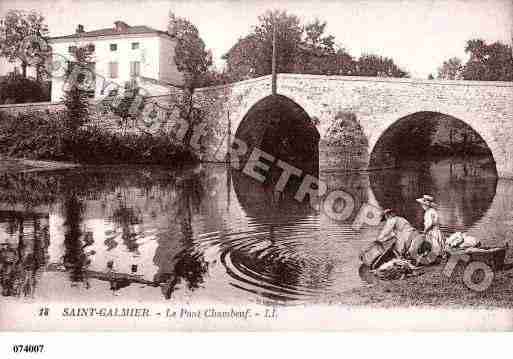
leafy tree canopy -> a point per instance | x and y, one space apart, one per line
493 62
451 69
191 56
251 55
378 66
19 31
301 49
487 62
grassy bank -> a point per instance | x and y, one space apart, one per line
431 289
44 137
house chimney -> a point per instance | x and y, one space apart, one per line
120 26
80 29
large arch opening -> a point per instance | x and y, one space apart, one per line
282 128
428 135
437 154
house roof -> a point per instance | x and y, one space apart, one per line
128 30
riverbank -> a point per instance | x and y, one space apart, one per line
8 164
91 144
431 289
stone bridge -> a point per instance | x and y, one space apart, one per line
374 106
320 111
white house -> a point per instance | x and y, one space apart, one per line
120 54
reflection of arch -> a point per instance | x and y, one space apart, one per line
414 131
279 126
462 200
270 258
263 203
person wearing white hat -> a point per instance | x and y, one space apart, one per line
432 229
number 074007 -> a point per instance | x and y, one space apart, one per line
28 348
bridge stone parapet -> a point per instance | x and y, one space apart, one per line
376 104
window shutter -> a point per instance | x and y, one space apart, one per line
113 70
135 68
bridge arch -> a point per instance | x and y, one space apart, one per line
440 155
279 126
412 129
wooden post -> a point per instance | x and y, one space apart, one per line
274 78
229 138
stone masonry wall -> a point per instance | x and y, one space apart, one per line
377 103
15 109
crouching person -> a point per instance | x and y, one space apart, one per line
409 244
399 229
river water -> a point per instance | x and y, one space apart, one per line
213 234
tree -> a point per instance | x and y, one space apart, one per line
319 55
493 62
241 61
213 77
288 35
22 39
301 48
378 66
78 82
191 57
251 56
195 62
451 69
314 32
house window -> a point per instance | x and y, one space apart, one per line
113 70
135 45
72 49
113 47
135 68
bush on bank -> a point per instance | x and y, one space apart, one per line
45 137
17 89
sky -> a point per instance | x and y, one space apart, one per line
418 34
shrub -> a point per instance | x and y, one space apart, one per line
45 137
32 136
16 89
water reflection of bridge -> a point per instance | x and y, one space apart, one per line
175 225
463 188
